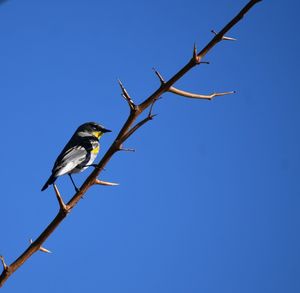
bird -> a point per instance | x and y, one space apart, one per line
79 153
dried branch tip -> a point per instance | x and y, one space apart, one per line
197 96
100 182
43 249
161 79
5 267
224 38
126 96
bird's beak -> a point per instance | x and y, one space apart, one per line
105 130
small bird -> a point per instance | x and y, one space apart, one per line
79 153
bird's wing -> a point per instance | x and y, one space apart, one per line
69 159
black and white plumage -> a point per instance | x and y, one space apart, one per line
79 153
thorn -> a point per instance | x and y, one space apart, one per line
43 249
61 203
121 84
5 267
126 96
152 116
100 182
151 108
224 38
204 62
195 58
228 38
161 79
127 149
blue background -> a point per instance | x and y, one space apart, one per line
209 202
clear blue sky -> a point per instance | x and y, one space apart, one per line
209 202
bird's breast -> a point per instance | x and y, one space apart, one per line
95 150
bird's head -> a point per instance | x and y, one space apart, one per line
92 128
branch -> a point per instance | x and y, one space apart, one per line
126 131
149 117
197 96
220 35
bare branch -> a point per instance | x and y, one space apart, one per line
149 117
134 128
197 96
126 96
137 126
218 37
126 131
43 249
101 182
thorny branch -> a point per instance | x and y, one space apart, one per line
126 131
179 92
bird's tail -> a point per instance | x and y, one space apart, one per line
50 181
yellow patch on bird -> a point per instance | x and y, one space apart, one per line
95 150
97 134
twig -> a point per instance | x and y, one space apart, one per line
137 126
197 96
149 117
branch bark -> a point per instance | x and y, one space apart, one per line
126 131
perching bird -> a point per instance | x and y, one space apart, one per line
79 153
